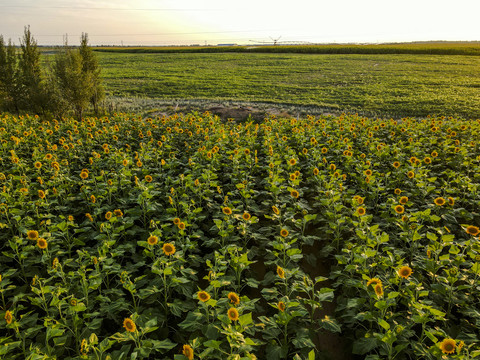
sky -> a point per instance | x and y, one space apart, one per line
211 22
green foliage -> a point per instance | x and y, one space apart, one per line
90 68
72 82
8 68
423 48
170 237
30 79
395 85
76 85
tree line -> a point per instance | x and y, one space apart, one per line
71 83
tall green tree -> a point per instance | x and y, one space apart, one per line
90 66
75 85
9 90
30 79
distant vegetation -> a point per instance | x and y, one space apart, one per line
434 48
71 82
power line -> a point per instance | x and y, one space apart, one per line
159 34
103 8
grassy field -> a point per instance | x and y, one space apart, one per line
372 84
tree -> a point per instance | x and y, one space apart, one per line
9 94
90 66
75 85
30 80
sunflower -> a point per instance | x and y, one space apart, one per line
472 230
203 296
8 317
292 161
324 150
108 215
129 325
399 209
427 160
361 211
187 352
316 171
332 167
281 306
232 314
32 234
403 200
405 272
374 281
246 216
397 191
368 172
293 177
284 232
41 194
434 154
84 175
148 178
234 299
295 194
89 217
448 346
37 164
71 218
181 225
275 210
118 212
93 199
125 162
176 221
379 289
227 211
280 272
396 164
42 243
168 249
440 201
411 174
451 201
152 240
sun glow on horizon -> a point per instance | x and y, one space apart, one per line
167 22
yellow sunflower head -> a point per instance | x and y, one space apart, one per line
203 296
405 272
129 325
448 346
233 314
168 249
32 234
234 299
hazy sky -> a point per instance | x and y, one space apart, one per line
157 22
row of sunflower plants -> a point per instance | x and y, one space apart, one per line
188 237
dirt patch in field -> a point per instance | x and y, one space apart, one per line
243 113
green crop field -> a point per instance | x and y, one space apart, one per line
373 84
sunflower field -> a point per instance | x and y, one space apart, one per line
189 237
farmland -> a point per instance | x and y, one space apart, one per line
186 236
393 85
